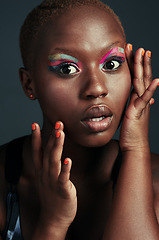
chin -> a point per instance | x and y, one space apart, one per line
95 140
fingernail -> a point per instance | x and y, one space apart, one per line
158 84
33 127
66 161
57 125
143 52
58 134
149 54
130 47
152 102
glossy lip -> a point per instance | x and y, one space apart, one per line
97 118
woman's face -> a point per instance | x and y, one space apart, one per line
81 75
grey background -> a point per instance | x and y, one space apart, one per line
17 112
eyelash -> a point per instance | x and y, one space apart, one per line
58 68
120 60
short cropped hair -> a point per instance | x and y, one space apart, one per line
42 14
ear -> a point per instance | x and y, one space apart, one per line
27 83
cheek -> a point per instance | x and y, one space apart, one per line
56 99
120 91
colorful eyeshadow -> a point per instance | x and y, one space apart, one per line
57 60
116 53
62 57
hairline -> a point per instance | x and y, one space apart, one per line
29 55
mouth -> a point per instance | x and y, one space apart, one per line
97 118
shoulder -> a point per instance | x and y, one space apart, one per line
155 173
3 187
155 179
2 163
155 165
2 166
8 149
2 156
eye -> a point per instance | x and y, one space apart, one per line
111 65
64 69
68 69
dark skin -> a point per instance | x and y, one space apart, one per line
93 154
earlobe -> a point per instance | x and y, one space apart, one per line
27 83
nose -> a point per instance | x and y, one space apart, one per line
94 86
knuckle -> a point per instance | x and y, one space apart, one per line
148 76
53 163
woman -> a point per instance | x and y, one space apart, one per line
77 64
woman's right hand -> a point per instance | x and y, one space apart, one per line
57 194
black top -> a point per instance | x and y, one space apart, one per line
13 167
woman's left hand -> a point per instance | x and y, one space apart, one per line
132 211
134 130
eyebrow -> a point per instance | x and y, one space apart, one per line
61 56
114 44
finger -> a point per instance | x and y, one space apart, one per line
130 58
65 185
58 126
36 147
55 156
152 100
147 69
138 82
64 176
147 96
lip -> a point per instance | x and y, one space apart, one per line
97 118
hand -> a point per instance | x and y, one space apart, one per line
134 130
57 194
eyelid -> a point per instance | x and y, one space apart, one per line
118 59
62 57
115 58
70 64
58 67
117 51
61 63
57 62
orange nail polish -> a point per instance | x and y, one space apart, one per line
33 127
57 125
143 52
152 102
58 134
149 54
130 47
66 161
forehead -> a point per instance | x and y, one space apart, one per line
86 27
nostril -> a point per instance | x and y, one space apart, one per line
90 96
94 96
103 95
94 88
